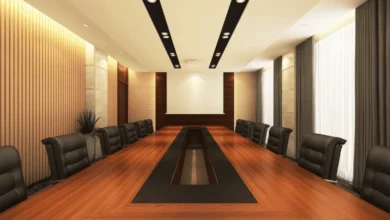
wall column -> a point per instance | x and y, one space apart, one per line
97 83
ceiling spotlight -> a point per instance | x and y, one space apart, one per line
165 37
212 66
218 54
152 1
85 25
240 1
225 37
164 33
173 54
226 33
177 66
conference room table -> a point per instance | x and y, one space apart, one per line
282 189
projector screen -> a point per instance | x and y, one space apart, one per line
194 93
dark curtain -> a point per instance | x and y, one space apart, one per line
278 91
304 91
259 97
372 86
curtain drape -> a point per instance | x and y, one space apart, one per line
372 82
334 92
278 91
304 91
267 92
259 96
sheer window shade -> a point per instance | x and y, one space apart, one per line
267 87
334 89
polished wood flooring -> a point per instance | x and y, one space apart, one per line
283 190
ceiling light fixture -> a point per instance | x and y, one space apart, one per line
157 16
233 16
172 54
177 66
85 25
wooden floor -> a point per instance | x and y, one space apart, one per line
105 189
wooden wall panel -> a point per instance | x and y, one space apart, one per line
42 83
112 92
142 97
161 99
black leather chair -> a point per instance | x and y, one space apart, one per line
246 129
376 182
149 126
110 139
128 133
278 140
239 125
320 154
67 155
12 187
259 133
141 129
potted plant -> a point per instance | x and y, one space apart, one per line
88 122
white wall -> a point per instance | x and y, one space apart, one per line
194 93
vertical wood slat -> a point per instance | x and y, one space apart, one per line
42 83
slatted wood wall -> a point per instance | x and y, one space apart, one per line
42 83
142 97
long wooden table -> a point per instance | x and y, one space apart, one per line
105 189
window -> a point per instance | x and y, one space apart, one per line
334 88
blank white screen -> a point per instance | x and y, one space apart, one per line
194 93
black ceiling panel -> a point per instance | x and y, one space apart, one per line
233 16
156 13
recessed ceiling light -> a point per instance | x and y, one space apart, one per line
226 33
240 1
85 25
177 66
166 37
225 37
152 1
213 66
164 33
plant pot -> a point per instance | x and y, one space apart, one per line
91 146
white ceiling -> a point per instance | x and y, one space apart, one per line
124 30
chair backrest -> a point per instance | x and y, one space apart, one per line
246 129
278 140
110 139
67 155
141 129
12 187
239 124
259 132
128 133
320 154
376 182
149 126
